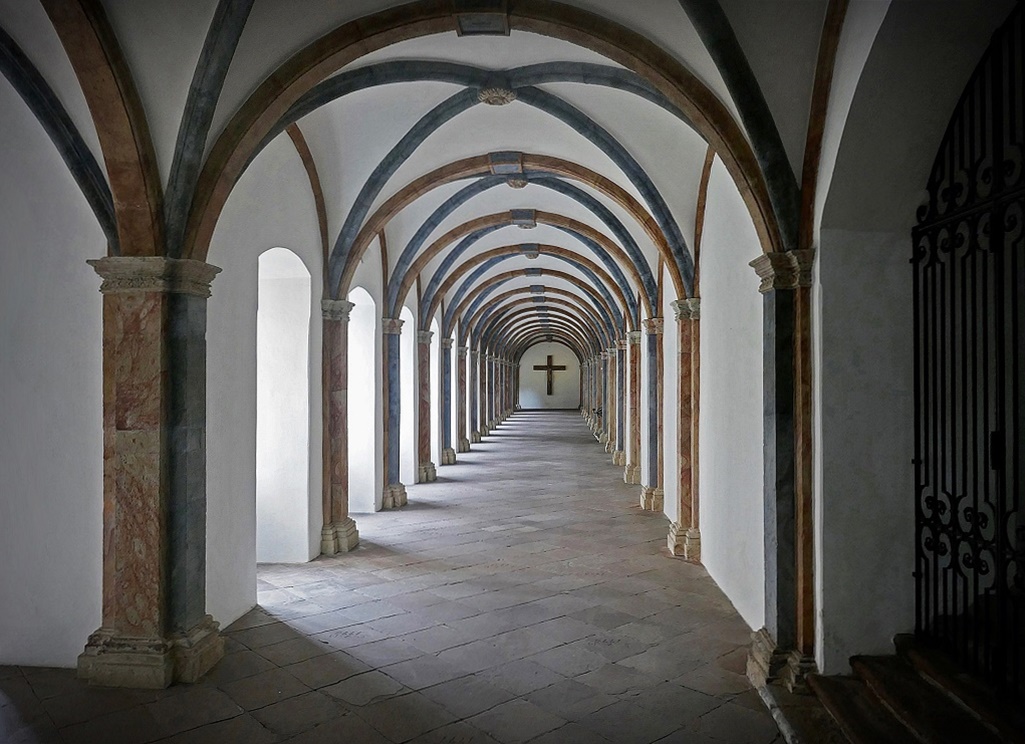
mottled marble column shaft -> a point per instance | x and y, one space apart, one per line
463 444
474 392
653 330
393 490
684 534
621 396
339 531
632 472
423 372
155 627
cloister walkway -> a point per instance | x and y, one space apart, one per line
523 596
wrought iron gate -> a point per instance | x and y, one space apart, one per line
969 285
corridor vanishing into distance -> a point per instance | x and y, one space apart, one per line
523 596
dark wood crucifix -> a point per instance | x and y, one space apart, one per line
551 369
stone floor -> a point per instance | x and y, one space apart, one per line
521 597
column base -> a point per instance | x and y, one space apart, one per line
632 474
448 456
684 542
765 662
474 437
427 473
610 446
111 660
463 446
484 431
795 674
394 496
652 499
619 458
346 537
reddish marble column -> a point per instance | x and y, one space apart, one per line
339 533
394 495
632 471
684 535
462 442
155 628
652 495
426 471
610 415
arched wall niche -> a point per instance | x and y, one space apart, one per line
283 408
364 403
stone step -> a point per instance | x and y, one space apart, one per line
923 709
857 711
1007 721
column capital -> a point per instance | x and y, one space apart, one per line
446 343
154 274
391 326
633 337
788 270
424 337
612 350
461 351
336 309
622 343
654 326
688 309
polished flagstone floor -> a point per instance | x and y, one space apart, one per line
521 597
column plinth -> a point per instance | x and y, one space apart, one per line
652 498
448 456
427 472
394 496
154 629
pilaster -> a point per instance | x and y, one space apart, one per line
394 494
155 629
651 494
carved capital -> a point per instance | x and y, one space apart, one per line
391 326
784 270
336 309
654 326
446 343
633 337
687 309
461 351
154 274
424 337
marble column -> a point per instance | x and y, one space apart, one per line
463 443
426 470
448 453
653 493
394 491
492 367
339 533
611 397
684 534
632 471
619 454
774 652
475 396
155 629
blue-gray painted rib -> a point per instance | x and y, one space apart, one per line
44 104
721 42
207 81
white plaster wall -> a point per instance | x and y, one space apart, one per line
51 415
730 448
534 385
271 206
670 406
364 403
408 407
282 409
865 522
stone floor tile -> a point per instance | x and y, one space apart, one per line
730 723
243 728
366 688
570 660
348 728
712 680
405 717
455 733
424 671
516 721
198 706
467 696
614 679
265 688
571 733
624 722
328 669
132 726
241 664
522 676
570 699
299 713
382 653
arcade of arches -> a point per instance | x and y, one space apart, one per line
343 253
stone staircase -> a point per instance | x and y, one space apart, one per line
916 697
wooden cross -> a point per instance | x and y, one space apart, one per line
550 369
